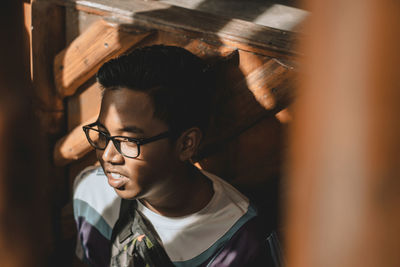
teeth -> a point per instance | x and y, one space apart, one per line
116 175
117 180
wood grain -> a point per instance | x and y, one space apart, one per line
272 84
242 103
73 146
161 16
48 39
84 104
83 57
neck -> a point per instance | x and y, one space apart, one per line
181 195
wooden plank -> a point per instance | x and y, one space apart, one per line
47 40
84 104
244 157
77 22
73 146
28 36
242 104
272 84
207 50
83 57
278 14
161 16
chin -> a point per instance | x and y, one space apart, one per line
126 194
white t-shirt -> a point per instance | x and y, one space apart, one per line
186 237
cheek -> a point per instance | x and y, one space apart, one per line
151 167
99 155
143 177
158 153
141 171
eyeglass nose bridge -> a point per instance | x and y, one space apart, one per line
116 144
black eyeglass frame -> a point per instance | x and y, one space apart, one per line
117 143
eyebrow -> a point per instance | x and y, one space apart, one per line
131 129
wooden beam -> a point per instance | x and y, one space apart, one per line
73 146
161 16
272 84
247 100
28 36
84 105
83 57
48 38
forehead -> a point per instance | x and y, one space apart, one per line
122 107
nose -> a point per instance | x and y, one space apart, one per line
111 154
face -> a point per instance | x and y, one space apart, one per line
126 112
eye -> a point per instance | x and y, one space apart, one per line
130 144
126 141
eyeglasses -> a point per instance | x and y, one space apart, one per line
126 146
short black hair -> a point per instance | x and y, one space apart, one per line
179 83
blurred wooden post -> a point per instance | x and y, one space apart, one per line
344 164
24 212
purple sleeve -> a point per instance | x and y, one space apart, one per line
248 247
96 247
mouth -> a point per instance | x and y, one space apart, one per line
117 180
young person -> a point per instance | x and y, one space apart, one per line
154 113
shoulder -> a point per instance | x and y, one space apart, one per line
249 246
96 209
94 199
227 193
248 241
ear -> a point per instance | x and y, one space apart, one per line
188 143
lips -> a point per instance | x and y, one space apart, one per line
116 180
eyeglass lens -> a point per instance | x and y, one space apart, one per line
100 140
